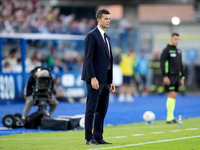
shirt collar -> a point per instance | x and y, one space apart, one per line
101 31
172 46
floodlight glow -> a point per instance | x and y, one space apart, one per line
175 20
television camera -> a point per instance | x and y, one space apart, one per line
42 90
42 85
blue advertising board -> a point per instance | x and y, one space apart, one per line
11 85
73 84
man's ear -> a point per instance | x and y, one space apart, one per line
98 19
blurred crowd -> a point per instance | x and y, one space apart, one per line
20 16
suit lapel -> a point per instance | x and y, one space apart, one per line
102 41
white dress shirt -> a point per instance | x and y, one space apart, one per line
102 34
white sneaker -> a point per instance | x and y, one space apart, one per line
121 98
47 113
129 98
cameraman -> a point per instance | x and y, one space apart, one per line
29 95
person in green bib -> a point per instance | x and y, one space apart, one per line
172 71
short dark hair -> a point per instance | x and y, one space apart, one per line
13 50
100 13
175 34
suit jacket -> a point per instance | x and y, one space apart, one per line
97 58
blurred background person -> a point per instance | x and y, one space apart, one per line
157 84
18 67
51 57
61 93
60 90
126 65
6 68
142 72
9 61
125 26
35 62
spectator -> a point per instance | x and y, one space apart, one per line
18 24
18 67
51 57
35 62
125 25
57 66
71 60
126 65
2 25
83 26
61 91
75 28
38 56
79 62
55 14
142 70
154 64
91 24
11 60
67 20
42 25
6 68
28 60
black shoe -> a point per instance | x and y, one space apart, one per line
172 122
91 142
102 142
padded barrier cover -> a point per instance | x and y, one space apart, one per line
74 121
54 123
61 122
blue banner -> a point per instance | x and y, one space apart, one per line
73 84
11 85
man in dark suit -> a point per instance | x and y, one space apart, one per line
97 72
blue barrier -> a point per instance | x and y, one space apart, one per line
11 85
73 84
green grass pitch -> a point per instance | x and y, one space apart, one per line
139 136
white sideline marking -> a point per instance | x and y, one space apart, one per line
192 129
157 132
52 138
138 134
175 130
151 142
117 137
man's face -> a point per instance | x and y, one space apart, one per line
175 40
104 21
12 55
